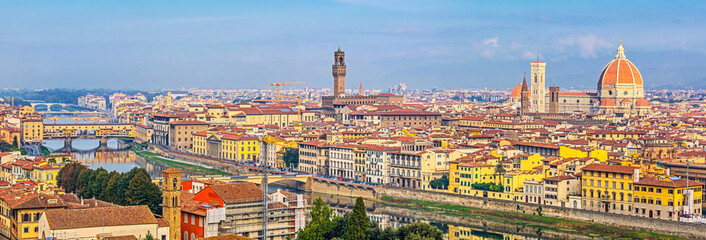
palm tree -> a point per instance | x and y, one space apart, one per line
500 170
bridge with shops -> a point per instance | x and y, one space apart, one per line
101 131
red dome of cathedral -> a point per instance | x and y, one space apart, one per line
620 71
516 91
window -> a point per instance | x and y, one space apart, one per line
26 230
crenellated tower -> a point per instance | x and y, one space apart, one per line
339 73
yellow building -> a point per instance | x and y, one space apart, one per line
231 146
435 164
463 175
608 188
11 135
567 152
32 131
615 135
25 209
246 114
663 198
471 121
465 233
359 164
240 147
46 172
26 111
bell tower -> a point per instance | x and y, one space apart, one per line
339 73
524 98
537 86
171 202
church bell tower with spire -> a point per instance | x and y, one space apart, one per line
339 73
524 97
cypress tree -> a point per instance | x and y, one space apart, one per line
356 228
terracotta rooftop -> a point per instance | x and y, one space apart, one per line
99 217
238 192
669 183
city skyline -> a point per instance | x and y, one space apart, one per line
449 45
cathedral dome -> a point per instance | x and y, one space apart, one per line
517 91
620 71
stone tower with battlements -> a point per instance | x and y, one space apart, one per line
554 99
339 73
171 201
537 86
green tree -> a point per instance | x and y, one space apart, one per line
84 179
141 191
122 185
149 236
291 157
419 231
356 227
68 177
15 142
500 171
321 222
97 183
45 151
109 194
440 183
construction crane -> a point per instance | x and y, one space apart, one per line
299 103
267 139
279 84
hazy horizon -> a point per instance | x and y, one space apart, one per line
447 45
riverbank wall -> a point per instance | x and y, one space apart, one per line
682 229
203 160
482 224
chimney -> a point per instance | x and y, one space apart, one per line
81 200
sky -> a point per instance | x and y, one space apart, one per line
425 44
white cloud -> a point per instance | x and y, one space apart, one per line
491 42
587 44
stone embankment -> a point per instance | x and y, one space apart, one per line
682 229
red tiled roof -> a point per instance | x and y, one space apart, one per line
669 183
99 217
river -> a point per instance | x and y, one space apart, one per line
123 161
112 160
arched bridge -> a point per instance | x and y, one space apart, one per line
79 119
101 147
96 130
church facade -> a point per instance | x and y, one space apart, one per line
620 91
